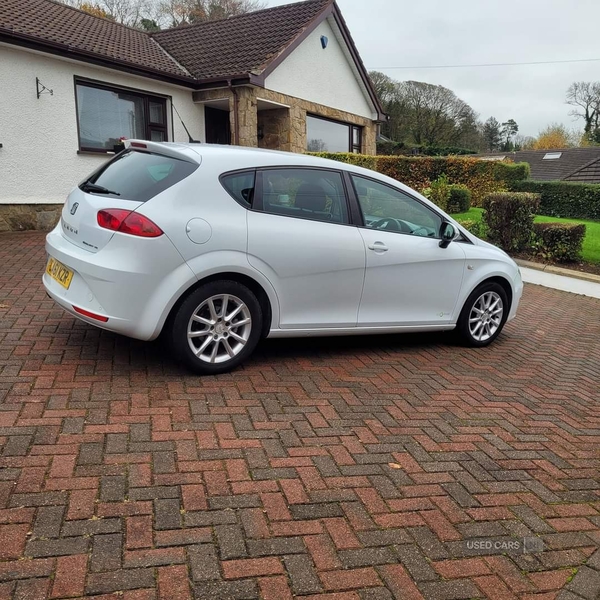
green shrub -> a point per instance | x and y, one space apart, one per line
477 228
439 192
459 200
509 219
564 199
480 176
561 242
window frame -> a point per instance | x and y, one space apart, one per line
146 97
352 127
258 200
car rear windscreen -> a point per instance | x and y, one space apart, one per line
139 176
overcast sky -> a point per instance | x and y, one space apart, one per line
398 33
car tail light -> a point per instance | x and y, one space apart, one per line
138 145
127 221
91 315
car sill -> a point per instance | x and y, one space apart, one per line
326 332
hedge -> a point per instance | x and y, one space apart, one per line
396 148
418 172
509 219
562 242
564 199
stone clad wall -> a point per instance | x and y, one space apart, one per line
23 217
292 136
276 129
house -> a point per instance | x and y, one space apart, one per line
72 85
567 164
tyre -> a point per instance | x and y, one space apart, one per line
216 327
483 316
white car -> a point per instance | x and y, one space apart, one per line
217 247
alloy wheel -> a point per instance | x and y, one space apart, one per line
485 317
219 328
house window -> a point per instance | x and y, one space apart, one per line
105 115
324 135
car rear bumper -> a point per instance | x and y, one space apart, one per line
132 282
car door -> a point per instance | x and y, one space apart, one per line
410 280
300 238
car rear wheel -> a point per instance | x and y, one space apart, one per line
483 315
216 327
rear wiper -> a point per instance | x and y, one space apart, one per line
88 186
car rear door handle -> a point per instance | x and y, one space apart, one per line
378 247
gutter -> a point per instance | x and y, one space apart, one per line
66 51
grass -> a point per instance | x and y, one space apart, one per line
591 242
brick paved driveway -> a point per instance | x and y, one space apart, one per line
344 469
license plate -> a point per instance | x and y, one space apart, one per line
59 272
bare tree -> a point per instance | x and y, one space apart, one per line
153 14
127 12
584 96
436 112
179 12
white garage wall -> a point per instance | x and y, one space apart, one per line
322 76
39 163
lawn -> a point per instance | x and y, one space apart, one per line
591 243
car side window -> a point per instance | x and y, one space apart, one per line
305 193
390 209
240 186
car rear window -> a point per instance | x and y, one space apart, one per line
139 176
240 186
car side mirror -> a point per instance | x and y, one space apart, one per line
447 234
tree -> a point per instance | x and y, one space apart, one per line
554 137
94 9
523 142
385 87
150 15
509 130
128 12
492 134
149 25
425 114
584 96
179 12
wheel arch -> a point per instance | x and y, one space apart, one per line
254 286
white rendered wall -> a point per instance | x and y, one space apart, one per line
39 163
322 76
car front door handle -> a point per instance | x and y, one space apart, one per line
378 247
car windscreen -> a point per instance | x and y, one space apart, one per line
138 176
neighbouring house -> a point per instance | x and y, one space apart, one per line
580 165
72 85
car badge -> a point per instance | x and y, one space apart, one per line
74 208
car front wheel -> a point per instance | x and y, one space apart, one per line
483 315
217 327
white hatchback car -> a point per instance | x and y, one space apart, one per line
218 247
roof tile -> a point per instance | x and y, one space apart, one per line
574 164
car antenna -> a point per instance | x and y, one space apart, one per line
190 138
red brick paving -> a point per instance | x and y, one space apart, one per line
345 469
